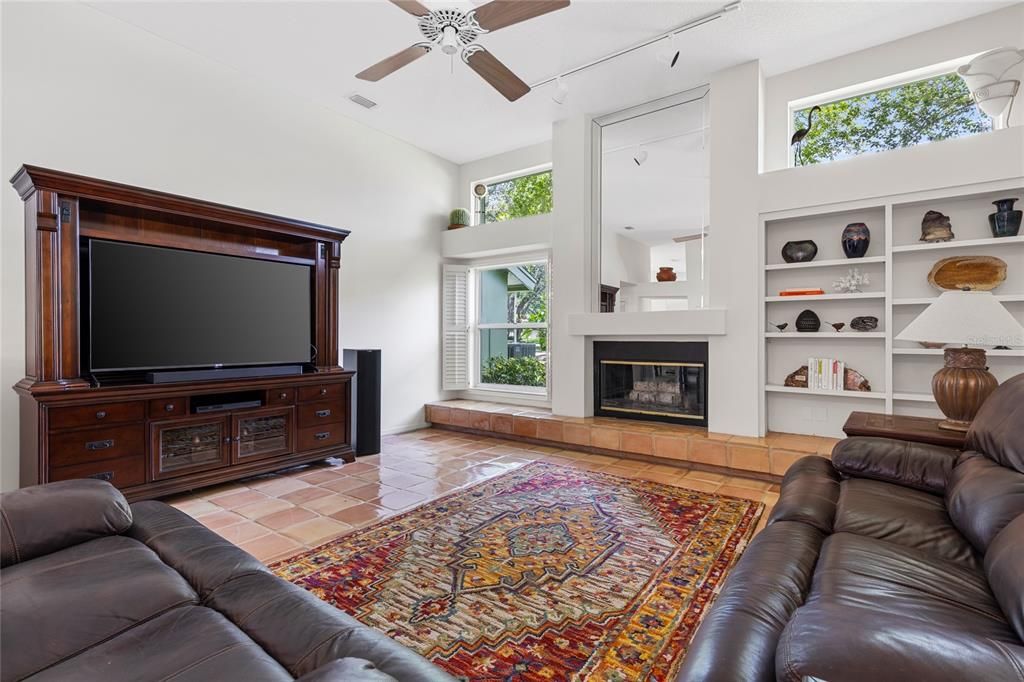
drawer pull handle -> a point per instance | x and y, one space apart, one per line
323 413
323 391
283 396
169 407
101 414
100 444
103 476
323 435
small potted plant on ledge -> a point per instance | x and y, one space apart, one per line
459 217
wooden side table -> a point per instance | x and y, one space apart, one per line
916 429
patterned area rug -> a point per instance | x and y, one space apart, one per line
544 573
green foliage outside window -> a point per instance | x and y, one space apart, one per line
518 198
531 305
929 110
524 371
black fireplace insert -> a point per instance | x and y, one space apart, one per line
653 381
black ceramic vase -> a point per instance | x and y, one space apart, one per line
856 238
1005 222
807 321
799 252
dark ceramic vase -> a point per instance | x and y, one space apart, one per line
807 321
799 252
1005 222
856 238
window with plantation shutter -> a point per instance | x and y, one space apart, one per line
455 328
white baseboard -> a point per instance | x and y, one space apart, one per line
405 428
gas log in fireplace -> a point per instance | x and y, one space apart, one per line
653 381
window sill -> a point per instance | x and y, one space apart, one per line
513 396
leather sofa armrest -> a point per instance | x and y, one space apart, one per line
915 465
810 492
43 519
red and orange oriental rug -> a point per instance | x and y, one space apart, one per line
544 573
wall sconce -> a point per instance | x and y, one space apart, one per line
994 80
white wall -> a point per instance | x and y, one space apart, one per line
624 260
86 93
1003 28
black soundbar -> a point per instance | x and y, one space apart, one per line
172 376
220 407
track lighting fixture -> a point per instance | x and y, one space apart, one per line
640 156
561 91
669 53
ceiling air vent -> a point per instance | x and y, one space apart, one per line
362 101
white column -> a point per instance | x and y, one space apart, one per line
572 270
731 258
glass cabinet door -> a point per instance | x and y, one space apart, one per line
184 447
263 434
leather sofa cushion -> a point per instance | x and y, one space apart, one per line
903 615
188 643
983 498
810 489
347 670
47 518
759 597
205 559
996 430
1004 566
907 517
317 632
914 465
57 605
837 643
869 575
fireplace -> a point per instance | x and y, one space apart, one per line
653 381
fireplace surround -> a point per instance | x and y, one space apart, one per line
660 381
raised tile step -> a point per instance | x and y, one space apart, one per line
770 456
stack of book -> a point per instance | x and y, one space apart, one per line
825 374
801 291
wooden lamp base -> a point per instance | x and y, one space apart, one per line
962 386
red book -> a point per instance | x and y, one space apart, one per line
801 292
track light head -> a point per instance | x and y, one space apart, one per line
561 91
640 156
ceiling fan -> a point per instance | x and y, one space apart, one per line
451 30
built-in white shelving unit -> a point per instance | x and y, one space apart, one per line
897 263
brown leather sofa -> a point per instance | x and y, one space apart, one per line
92 589
894 562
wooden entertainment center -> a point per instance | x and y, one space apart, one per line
147 439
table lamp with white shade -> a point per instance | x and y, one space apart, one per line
965 318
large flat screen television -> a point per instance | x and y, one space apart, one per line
160 308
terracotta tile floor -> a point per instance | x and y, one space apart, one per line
280 514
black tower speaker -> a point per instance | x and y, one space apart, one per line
365 399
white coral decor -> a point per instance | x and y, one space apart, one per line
852 283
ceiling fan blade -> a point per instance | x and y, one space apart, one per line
501 13
496 73
412 7
393 63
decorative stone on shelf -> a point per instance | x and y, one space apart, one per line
852 380
977 273
935 227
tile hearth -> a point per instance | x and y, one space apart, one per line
767 457
281 514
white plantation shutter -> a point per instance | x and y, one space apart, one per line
455 328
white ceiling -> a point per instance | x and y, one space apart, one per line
313 50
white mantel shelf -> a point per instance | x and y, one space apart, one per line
702 322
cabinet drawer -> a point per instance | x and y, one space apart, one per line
95 415
281 396
321 392
316 437
123 472
91 445
312 414
166 407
